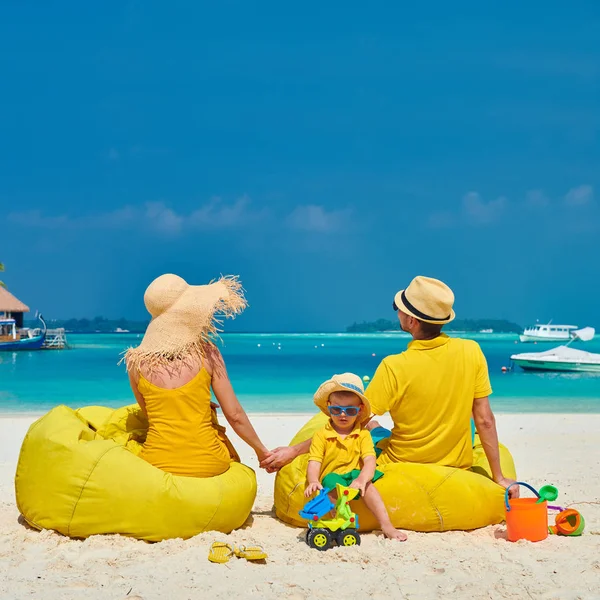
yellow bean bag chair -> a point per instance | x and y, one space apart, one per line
418 497
79 474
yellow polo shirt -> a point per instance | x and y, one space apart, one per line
429 390
338 455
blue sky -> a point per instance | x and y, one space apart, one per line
325 152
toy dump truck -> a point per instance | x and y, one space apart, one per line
324 529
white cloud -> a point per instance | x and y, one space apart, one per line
162 218
156 216
473 211
579 196
480 212
216 213
315 218
536 199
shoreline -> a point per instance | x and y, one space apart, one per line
498 413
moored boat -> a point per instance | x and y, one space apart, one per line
11 339
554 333
561 358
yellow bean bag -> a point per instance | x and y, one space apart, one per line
79 474
418 497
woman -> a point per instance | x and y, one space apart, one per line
171 374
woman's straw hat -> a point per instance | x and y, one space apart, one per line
346 382
426 299
184 318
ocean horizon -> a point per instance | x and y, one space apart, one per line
277 372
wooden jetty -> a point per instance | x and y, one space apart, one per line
56 339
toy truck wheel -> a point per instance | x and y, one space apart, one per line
348 537
320 539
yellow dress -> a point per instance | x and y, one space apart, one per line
184 437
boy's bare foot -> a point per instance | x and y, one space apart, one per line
393 534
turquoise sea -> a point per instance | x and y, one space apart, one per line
275 372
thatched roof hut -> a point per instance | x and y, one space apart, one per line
12 307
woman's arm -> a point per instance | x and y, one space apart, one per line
232 409
133 382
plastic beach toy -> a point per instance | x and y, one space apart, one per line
341 529
527 518
549 493
568 522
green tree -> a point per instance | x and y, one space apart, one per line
1 270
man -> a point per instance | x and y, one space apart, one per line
431 390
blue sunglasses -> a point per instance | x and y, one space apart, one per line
336 411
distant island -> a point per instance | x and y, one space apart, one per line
95 325
468 325
103 325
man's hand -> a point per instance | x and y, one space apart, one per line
372 424
311 488
360 485
278 458
505 482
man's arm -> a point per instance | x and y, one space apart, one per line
485 423
381 392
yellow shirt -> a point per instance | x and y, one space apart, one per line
183 435
429 390
338 455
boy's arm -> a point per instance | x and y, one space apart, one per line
312 474
367 455
315 459
366 474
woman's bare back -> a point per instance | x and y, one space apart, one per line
177 372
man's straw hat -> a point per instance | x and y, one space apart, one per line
346 382
184 318
426 299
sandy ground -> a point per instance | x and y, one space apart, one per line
559 449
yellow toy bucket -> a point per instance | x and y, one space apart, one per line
526 518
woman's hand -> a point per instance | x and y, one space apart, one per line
262 454
278 458
311 488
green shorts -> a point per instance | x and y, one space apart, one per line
346 479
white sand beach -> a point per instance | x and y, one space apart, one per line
548 448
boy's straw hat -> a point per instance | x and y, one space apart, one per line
427 299
346 382
184 318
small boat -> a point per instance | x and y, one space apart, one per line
12 340
553 333
561 358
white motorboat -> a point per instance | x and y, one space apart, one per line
554 333
561 358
